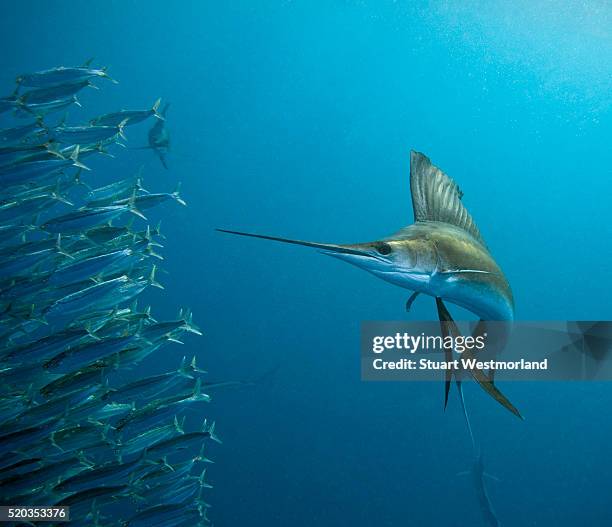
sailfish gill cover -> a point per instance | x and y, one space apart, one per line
75 428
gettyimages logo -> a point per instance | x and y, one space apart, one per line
423 342
550 351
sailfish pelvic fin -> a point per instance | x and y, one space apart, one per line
448 325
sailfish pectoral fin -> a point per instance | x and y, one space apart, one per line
449 328
448 377
485 383
445 322
483 379
480 330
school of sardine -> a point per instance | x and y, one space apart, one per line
76 428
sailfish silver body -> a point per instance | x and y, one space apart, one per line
455 267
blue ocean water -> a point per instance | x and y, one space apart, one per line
296 119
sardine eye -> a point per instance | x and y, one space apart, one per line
383 248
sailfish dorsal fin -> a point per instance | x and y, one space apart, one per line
436 197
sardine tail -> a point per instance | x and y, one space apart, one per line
155 110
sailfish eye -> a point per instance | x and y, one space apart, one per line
383 248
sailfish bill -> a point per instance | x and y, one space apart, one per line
323 246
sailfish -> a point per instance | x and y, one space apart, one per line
442 255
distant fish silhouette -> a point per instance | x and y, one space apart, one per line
159 137
478 476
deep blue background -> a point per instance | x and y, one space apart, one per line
297 119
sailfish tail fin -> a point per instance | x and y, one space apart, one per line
155 109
